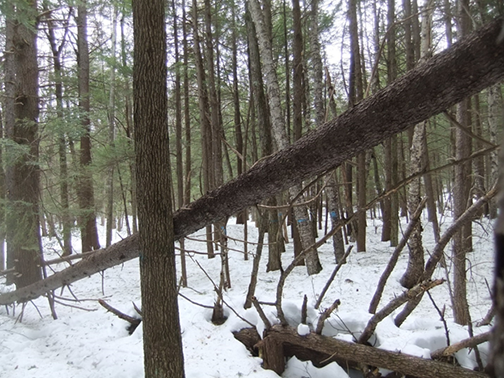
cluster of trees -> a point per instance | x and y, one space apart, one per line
245 79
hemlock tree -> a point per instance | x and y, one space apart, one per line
161 328
22 112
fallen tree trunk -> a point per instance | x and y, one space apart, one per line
316 347
466 68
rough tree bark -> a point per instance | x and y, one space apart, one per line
85 192
323 350
461 192
23 173
471 65
162 338
416 165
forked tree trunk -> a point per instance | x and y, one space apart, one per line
471 65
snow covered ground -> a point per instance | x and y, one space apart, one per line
87 341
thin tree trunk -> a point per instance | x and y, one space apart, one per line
111 136
206 128
89 232
495 116
416 165
461 188
62 147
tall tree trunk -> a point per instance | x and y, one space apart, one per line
111 136
417 162
356 94
22 176
129 126
333 198
206 128
89 232
179 160
275 240
390 229
160 316
187 115
461 188
495 117
279 132
241 217
62 145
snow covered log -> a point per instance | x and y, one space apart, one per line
469 66
322 350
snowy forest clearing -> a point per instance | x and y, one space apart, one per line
95 343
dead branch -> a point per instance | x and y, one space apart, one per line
333 275
470 342
325 315
394 304
395 256
130 319
437 252
261 313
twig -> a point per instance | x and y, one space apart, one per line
193 302
261 313
488 317
441 314
395 256
73 306
325 315
333 275
220 294
139 312
119 314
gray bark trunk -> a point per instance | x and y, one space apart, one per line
279 132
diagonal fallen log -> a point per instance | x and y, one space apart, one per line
322 350
466 68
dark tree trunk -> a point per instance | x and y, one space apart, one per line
471 65
461 189
160 317
22 176
85 192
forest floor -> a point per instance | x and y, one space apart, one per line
87 341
